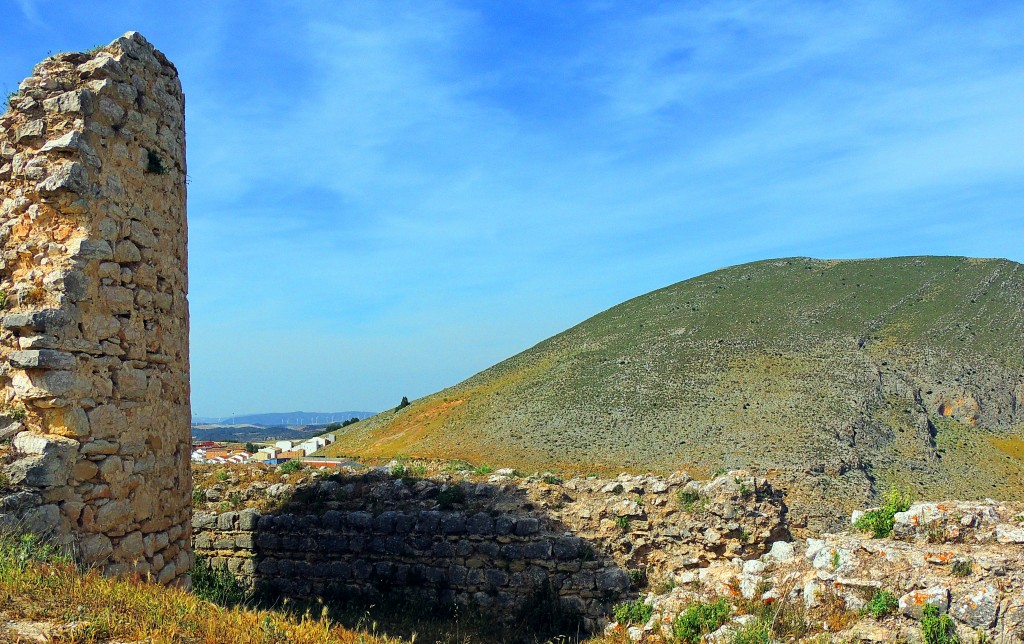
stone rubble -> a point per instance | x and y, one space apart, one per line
948 555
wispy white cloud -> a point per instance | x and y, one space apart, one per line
29 9
703 137
381 180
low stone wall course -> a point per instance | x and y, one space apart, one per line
372 536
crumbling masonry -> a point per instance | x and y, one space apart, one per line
94 369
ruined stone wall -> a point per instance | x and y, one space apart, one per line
498 544
432 557
94 369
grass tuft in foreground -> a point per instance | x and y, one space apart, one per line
39 582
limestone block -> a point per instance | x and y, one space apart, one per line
614 579
99 447
142 235
131 383
75 101
72 141
537 550
527 526
71 283
68 177
103 66
45 321
1009 534
912 604
72 510
978 609
627 508
117 299
36 384
42 359
169 572
49 459
247 519
84 471
114 515
30 132
112 469
226 520
43 519
129 548
95 548
126 252
110 109
90 249
18 500
107 421
73 422
480 523
38 342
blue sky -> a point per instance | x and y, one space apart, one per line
387 197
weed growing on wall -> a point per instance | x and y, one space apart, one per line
634 612
936 628
882 603
880 522
699 619
217 585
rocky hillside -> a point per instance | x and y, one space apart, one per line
840 378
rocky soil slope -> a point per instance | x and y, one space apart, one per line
838 378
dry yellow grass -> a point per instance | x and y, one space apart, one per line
42 587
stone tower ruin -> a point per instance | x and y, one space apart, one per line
94 365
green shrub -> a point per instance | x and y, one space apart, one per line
457 466
216 585
962 567
666 585
622 522
638 577
14 412
936 628
880 522
757 632
690 501
881 604
154 164
198 495
699 619
483 469
449 496
290 467
634 612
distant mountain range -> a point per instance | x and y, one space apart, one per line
286 419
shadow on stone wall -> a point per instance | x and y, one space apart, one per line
370 538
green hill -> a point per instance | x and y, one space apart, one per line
838 377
